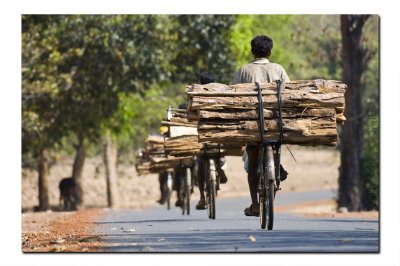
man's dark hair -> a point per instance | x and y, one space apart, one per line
261 46
206 77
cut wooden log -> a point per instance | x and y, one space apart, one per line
142 167
154 145
246 114
244 136
189 146
159 164
292 99
304 126
178 121
317 86
176 131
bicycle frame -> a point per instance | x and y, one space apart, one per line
268 168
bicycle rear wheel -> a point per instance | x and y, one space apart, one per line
182 192
211 199
267 194
270 189
211 189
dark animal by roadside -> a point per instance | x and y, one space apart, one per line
67 194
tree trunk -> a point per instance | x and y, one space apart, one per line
353 63
77 173
43 168
110 162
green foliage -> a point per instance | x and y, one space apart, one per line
370 162
140 115
370 101
75 67
84 75
240 38
307 46
40 87
203 45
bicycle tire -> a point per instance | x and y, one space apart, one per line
169 200
270 190
212 200
183 194
187 190
183 207
271 197
263 212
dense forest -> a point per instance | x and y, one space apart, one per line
96 83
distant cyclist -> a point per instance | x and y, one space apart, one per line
206 78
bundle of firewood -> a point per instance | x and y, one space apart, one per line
154 145
142 164
170 163
311 110
154 159
178 124
182 145
151 159
183 140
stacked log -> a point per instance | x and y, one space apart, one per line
179 125
311 110
182 145
160 164
142 164
154 145
142 167
153 158
183 140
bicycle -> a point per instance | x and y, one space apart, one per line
212 182
186 185
268 169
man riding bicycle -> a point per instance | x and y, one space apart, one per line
259 70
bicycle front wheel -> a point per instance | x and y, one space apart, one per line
263 211
188 190
271 197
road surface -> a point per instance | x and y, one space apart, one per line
161 230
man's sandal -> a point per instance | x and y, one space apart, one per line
249 212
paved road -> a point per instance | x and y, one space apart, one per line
160 230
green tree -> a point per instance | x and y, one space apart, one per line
307 46
41 86
136 117
203 45
84 62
